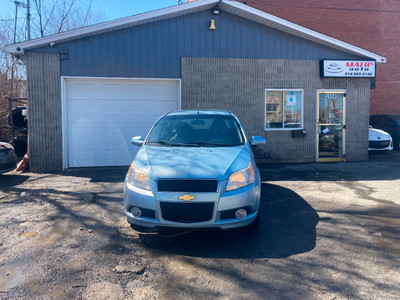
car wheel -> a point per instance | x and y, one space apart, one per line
256 224
396 144
253 227
142 229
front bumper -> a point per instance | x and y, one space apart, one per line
380 145
220 206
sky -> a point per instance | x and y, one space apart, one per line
113 9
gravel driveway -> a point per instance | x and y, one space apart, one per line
327 231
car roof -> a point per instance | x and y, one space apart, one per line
199 112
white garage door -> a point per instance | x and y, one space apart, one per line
102 116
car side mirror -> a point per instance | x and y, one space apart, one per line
257 140
137 140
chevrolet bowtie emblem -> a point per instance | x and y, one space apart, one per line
186 197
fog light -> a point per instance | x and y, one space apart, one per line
241 214
136 212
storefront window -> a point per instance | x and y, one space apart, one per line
283 109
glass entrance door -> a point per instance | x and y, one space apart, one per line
330 126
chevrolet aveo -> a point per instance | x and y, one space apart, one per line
195 169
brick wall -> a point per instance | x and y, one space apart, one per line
239 85
373 25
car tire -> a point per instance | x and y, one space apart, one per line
142 229
256 223
20 145
396 144
19 121
253 227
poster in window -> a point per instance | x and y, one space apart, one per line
291 100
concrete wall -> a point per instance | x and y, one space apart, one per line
44 112
239 85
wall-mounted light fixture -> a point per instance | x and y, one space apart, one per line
216 11
212 25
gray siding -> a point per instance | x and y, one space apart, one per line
44 109
239 85
154 50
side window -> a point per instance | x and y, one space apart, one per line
283 109
375 121
389 122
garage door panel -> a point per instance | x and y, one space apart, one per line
89 110
123 90
104 115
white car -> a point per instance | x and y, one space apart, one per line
379 140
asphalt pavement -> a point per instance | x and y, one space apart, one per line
327 231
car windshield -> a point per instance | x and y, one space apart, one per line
397 118
197 131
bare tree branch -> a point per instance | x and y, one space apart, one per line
86 19
38 4
50 16
65 15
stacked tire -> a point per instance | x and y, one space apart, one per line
19 124
19 121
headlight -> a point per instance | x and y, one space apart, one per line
138 178
241 178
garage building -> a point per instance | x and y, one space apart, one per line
92 89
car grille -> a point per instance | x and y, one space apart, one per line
188 186
379 144
187 212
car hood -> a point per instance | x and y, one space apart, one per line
378 134
191 162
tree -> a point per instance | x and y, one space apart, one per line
47 17
12 77
63 15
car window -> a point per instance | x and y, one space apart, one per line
396 118
375 121
196 130
389 123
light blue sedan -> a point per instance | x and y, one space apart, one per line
195 169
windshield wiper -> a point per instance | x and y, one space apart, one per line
161 142
196 144
166 143
209 144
